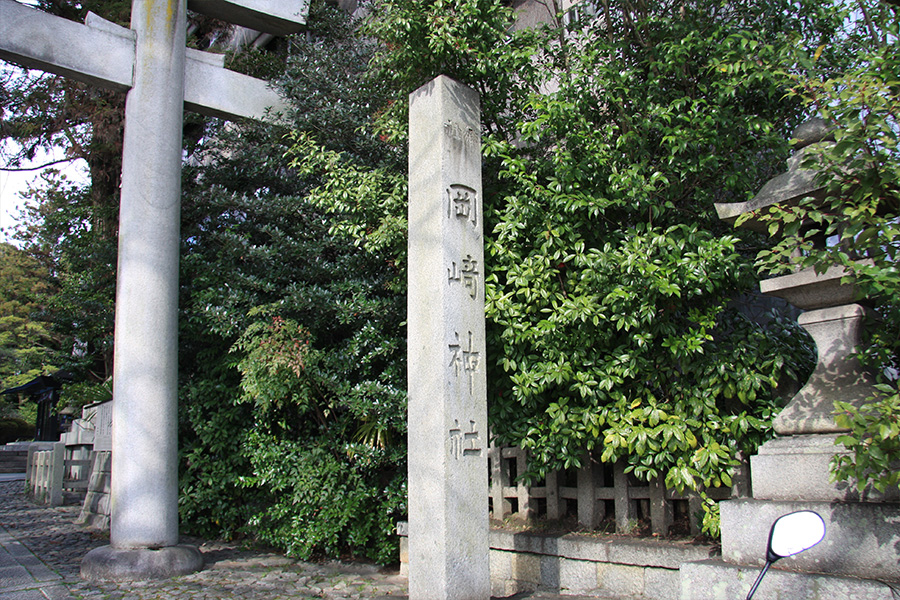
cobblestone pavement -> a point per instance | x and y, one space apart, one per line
41 549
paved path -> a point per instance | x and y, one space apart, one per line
41 550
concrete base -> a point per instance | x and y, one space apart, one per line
718 580
139 564
861 539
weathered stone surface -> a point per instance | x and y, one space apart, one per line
838 376
797 468
620 579
95 509
808 290
526 568
448 483
102 53
513 573
144 479
812 131
718 580
103 427
648 553
280 17
577 576
112 564
787 188
38 40
550 566
662 584
214 91
861 539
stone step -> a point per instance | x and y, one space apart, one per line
13 461
73 498
718 580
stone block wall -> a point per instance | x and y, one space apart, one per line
95 510
581 564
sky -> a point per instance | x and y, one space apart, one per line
13 183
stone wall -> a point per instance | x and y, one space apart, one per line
584 564
95 510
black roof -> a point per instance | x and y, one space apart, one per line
41 384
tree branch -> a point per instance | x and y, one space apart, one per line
37 168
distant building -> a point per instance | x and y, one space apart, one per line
44 391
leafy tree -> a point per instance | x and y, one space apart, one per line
71 228
26 344
612 291
59 232
293 352
256 252
258 255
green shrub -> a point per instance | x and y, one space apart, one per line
321 502
14 429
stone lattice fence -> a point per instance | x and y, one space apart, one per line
53 477
598 495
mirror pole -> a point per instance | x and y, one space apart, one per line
759 579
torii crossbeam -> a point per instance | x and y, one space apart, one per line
162 78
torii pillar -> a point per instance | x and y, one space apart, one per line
162 78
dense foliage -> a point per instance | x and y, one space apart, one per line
294 362
614 293
268 438
60 231
70 228
27 346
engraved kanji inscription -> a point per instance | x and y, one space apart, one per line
465 361
462 133
466 273
464 443
462 203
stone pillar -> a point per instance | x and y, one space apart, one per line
144 519
448 442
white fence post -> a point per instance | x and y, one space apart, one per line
57 473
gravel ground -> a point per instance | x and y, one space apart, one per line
231 571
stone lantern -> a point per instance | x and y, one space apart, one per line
792 471
833 320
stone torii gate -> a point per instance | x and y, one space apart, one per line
162 78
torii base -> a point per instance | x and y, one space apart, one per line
140 564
